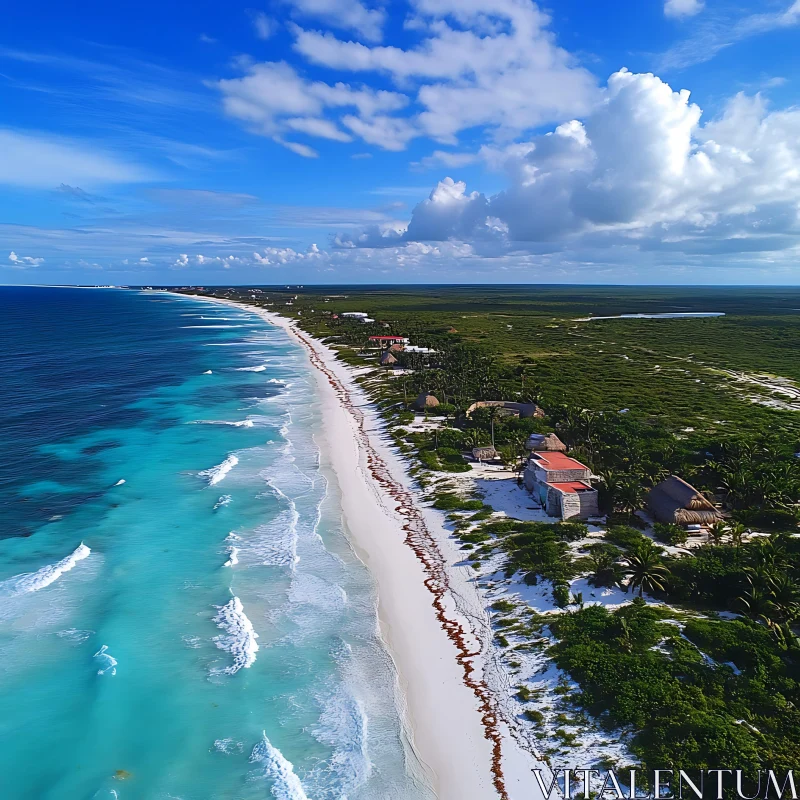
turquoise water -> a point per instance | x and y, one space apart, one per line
180 613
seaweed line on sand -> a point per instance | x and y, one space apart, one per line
424 546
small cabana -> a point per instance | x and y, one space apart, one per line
675 501
545 443
387 359
425 400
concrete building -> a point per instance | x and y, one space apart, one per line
561 484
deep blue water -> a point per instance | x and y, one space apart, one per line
181 615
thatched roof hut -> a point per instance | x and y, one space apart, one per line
425 400
545 443
674 500
387 359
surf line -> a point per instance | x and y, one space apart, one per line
424 546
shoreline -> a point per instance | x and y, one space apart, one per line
431 617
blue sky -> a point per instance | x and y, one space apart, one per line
324 141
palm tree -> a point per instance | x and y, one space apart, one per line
644 569
758 605
717 531
631 496
625 639
606 570
785 596
737 531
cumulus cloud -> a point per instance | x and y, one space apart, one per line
279 256
24 261
640 170
38 160
184 260
345 15
273 99
683 8
482 63
490 64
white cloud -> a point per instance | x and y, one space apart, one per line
296 147
263 25
273 99
345 14
24 261
496 66
279 256
314 126
723 29
390 133
640 171
683 8
39 160
443 158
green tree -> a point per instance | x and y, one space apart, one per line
644 569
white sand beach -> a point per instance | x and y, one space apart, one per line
432 617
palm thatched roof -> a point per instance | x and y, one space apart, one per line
425 400
387 359
674 500
545 443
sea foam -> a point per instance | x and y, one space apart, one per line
223 501
259 368
33 581
343 726
108 664
239 638
216 474
285 783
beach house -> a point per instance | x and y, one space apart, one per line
675 501
548 442
387 341
561 484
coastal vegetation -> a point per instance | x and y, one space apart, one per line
701 665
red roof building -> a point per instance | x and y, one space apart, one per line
385 341
561 484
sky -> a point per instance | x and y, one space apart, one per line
400 141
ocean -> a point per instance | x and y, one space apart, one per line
181 615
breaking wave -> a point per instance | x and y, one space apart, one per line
107 661
33 581
285 783
239 638
223 501
259 368
216 474
232 550
343 726
242 423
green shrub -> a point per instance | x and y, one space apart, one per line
629 520
561 595
624 536
571 531
670 533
